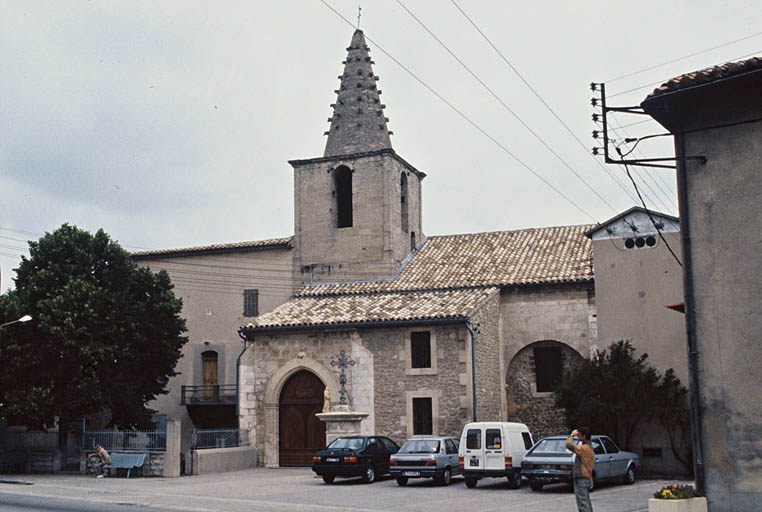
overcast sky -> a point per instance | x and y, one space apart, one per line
169 124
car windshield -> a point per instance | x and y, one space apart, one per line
347 443
420 446
549 446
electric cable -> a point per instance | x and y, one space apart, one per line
506 107
547 106
650 216
464 116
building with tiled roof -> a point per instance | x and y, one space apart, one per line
441 330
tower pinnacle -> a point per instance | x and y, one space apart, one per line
358 124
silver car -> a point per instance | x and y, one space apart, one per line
549 462
426 457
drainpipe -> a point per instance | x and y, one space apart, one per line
238 379
471 329
690 317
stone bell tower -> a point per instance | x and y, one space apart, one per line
358 207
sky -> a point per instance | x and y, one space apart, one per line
170 124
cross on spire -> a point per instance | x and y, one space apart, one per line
359 13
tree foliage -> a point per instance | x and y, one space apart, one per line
615 392
105 335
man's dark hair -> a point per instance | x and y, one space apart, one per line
584 431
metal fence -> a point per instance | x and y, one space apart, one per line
30 440
150 440
219 438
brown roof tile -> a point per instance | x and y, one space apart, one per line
380 307
707 75
271 243
502 258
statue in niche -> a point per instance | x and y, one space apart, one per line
327 400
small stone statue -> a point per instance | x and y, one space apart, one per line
327 400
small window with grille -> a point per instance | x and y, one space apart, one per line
420 349
422 418
250 302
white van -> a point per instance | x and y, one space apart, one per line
493 449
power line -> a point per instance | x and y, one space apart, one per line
464 116
547 106
506 107
683 58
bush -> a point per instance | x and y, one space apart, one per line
676 492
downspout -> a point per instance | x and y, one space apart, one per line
473 365
238 379
690 317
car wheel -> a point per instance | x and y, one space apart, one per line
328 479
369 475
535 485
402 481
471 482
514 481
446 477
629 477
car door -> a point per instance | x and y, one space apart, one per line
390 447
618 462
602 461
493 449
377 454
451 449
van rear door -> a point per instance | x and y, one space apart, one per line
494 449
473 452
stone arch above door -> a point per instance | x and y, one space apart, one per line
272 396
525 403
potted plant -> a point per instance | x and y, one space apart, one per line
677 498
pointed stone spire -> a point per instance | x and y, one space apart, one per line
358 124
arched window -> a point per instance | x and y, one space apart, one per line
342 181
403 202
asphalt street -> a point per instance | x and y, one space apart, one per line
297 489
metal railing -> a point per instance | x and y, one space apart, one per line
149 440
219 438
210 394
30 440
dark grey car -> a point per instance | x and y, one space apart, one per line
426 457
549 462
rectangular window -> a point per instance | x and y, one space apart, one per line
527 440
474 439
548 367
250 302
492 439
420 349
422 424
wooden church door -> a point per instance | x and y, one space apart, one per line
301 432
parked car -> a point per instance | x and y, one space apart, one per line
549 462
426 457
493 449
363 456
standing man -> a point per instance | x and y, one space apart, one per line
102 459
583 467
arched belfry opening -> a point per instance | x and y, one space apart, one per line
301 433
403 203
342 189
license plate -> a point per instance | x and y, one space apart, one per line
411 473
332 459
473 462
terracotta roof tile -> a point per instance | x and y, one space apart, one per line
284 242
380 307
707 75
502 258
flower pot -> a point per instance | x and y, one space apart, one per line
689 505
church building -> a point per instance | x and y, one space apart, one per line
432 332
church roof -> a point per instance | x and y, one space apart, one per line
446 279
501 258
256 245
708 75
358 123
443 305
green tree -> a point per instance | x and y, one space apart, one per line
105 335
615 392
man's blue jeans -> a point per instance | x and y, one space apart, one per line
582 493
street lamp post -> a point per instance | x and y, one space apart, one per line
24 318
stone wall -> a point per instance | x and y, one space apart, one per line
489 381
525 404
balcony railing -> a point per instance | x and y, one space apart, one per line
150 440
218 394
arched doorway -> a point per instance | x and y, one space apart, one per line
301 432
